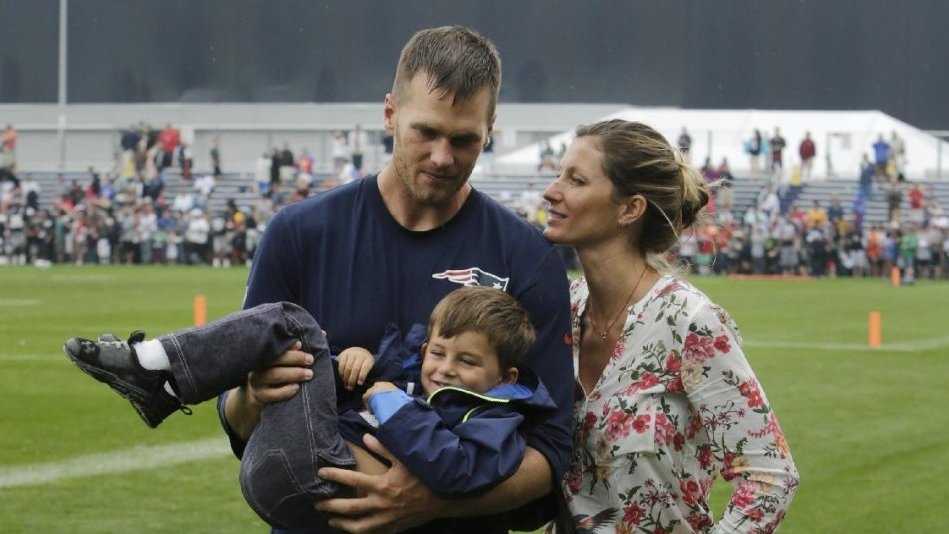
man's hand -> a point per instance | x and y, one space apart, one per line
354 366
392 502
280 381
276 383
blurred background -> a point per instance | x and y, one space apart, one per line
164 135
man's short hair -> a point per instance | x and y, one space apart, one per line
490 312
459 60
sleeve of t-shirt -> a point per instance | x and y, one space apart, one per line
272 279
547 300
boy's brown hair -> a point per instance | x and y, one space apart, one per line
459 60
487 311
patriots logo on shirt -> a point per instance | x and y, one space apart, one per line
473 276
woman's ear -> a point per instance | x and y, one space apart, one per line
510 376
632 208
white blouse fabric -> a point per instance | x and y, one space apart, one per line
676 404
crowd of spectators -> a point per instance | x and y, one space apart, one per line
780 235
126 216
103 220
819 241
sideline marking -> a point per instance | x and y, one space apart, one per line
82 278
15 303
902 346
28 357
119 461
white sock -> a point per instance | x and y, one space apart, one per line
152 356
170 390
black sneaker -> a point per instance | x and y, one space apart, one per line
113 361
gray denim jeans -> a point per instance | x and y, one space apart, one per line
294 438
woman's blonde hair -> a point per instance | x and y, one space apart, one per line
639 161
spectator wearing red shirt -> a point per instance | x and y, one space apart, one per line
916 197
917 201
807 150
168 139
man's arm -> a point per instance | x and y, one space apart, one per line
397 500
272 279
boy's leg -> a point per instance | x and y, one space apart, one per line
208 360
202 362
293 440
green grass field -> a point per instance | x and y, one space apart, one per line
869 429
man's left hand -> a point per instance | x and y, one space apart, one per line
392 502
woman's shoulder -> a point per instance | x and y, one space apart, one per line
682 304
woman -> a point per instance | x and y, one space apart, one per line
665 395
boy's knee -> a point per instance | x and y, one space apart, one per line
304 325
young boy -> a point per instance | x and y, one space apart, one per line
464 439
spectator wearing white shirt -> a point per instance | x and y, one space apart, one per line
196 238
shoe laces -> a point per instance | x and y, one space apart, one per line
114 343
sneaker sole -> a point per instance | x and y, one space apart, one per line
136 396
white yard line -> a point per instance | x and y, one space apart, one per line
904 346
28 357
113 462
16 303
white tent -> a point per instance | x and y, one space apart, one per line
842 137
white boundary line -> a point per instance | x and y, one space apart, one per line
16 303
904 346
113 462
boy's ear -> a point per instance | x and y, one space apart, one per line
423 349
510 376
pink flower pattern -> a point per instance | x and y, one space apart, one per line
650 438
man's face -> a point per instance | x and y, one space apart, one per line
436 143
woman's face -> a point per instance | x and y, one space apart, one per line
582 210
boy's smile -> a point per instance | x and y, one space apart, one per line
467 361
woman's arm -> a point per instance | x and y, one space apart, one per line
746 440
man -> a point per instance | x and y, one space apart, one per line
777 149
685 144
807 150
385 249
881 156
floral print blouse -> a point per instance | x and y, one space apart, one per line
676 403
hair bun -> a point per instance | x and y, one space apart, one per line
692 206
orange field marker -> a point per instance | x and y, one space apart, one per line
200 310
875 330
895 276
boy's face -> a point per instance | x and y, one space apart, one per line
467 361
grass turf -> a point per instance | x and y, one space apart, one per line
868 429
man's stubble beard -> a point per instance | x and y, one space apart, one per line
424 196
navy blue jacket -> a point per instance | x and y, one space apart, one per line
459 442
456 441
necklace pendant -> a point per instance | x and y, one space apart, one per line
604 335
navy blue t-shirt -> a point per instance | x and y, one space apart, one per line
344 258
